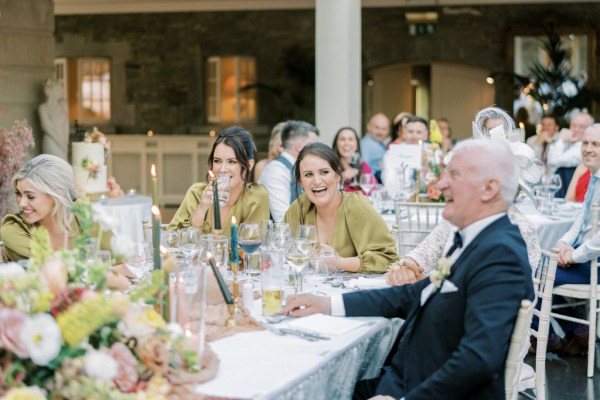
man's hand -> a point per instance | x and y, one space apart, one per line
307 304
410 273
566 135
565 255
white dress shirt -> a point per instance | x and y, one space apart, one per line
564 154
590 245
276 177
468 234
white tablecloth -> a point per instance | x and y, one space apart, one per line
262 365
130 211
550 227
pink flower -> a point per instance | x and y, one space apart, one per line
11 324
127 376
54 273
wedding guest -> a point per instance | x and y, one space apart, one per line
374 143
275 150
278 177
564 154
548 134
416 130
491 117
447 141
232 153
465 317
398 124
522 117
45 193
346 146
345 221
579 184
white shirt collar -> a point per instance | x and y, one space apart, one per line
470 232
288 157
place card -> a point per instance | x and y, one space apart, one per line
326 324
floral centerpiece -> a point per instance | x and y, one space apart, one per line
61 339
433 171
15 145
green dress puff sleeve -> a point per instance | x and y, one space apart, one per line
16 236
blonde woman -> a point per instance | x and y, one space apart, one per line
275 149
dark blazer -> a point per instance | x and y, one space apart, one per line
455 345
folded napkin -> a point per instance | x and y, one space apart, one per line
368 283
325 324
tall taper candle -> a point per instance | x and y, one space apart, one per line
156 236
216 209
234 258
220 280
154 185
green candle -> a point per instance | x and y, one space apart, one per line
154 185
156 236
220 280
217 210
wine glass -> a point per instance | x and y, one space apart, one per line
170 240
189 239
308 232
298 255
223 180
355 163
317 271
551 184
249 240
137 262
367 183
407 188
279 235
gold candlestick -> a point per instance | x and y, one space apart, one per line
234 309
418 186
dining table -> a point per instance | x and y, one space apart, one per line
263 364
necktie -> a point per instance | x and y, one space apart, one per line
545 153
587 208
456 244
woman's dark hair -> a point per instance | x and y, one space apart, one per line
240 140
337 152
318 150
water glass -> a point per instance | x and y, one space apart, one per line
279 236
223 187
308 232
317 271
367 183
137 263
170 240
271 281
189 238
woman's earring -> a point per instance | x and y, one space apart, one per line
340 186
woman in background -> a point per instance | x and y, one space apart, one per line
275 149
232 153
345 221
346 146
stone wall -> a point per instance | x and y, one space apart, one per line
164 65
26 59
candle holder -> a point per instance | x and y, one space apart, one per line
234 309
417 186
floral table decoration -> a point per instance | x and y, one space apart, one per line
63 339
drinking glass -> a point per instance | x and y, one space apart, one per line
223 188
279 235
367 183
316 271
188 242
551 184
407 187
271 278
249 239
298 255
355 163
308 232
137 262
170 240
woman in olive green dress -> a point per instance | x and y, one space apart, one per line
345 221
233 153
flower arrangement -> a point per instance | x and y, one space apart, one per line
91 167
98 137
15 145
434 168
60 339
442 273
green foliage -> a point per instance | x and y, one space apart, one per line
41 248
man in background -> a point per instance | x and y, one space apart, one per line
374 143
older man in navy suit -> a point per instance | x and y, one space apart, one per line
457 328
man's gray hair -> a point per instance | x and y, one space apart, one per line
496 161
494 113
293 130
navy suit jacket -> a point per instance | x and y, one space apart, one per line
455 345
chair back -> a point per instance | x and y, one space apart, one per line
518 338
415 221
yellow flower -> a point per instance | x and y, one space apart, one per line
152 318
25 393
83 318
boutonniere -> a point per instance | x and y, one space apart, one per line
442 273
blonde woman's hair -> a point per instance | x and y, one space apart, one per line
53 176
275 147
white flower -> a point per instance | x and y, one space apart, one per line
122 245
443 271
107 222
11 270
175 330
99 364
42 338
569 88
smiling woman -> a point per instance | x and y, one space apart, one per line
232 154
345 221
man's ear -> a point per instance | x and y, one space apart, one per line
491 190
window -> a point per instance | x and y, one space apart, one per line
231 95
87 87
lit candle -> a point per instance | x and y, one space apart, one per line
522 129
216 209
154 185
234 258
220 280
156 235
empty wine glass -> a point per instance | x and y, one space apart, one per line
367 183
170 240
137 262
249 240
279 235
223 188
316 271
308 232
189 239
550 185
298 255
355 163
